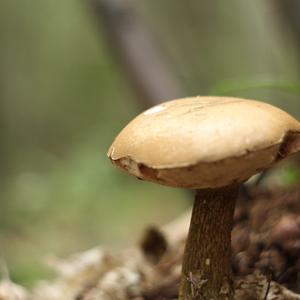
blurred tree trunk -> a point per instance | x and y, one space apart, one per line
146 68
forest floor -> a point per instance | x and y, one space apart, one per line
265 258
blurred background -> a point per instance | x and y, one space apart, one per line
74 72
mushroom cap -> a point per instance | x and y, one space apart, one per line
205 142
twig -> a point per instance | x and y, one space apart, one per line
268 287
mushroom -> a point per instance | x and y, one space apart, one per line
212 145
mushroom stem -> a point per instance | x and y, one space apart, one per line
206 269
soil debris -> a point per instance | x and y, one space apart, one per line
265 259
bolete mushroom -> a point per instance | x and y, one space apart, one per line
212 145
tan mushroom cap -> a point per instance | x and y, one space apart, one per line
205 142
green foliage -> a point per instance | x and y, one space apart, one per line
289 175
238 86
63 99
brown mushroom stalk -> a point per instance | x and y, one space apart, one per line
209 144
206 267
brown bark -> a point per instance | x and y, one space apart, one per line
206 269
